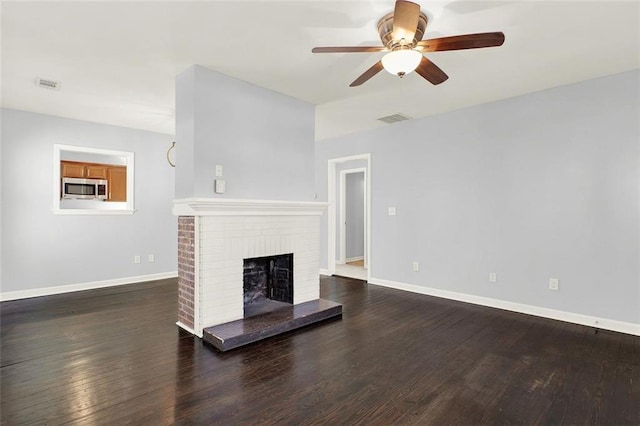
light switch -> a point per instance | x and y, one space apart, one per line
220 186
218 170
392 211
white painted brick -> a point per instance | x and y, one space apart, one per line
231 271
209 321
226 240
211 256
228 308
237 226
211 246
221 293
223 306
306 297
222 264
220 220
212 235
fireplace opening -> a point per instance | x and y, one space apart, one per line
267 283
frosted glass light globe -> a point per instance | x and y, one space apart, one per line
401 62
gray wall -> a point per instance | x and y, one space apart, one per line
539 186
354 212
264 140
40 249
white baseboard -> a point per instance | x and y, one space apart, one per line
324 272
188 329
48 291
354 259
591 321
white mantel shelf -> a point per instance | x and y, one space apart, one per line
240 207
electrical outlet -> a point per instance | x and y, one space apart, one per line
416 266
391 211
136 259
554 284
493 277
151 258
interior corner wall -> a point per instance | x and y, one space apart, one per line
533 187
264 140
43 250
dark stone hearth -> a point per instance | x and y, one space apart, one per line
286 318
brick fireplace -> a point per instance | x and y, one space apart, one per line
216 237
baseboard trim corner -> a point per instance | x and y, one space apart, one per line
587 320
49 291
188 329
325 272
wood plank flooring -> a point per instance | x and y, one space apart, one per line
115 356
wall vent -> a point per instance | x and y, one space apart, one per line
390 119
48 84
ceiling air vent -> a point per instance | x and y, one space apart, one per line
390 119
48 84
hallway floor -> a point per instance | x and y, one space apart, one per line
351 271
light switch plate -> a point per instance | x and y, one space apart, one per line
220 186
218 170
392 211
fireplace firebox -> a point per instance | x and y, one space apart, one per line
266 280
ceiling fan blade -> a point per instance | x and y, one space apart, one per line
348 49
430 71
459 42
405 20
375 69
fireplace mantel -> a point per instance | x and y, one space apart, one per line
240 207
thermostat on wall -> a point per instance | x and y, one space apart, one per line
220 186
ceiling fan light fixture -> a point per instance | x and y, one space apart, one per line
401 31
402 61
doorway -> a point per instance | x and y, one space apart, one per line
351 232
349 218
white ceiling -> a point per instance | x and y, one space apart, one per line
117 60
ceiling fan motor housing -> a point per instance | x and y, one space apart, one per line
385 29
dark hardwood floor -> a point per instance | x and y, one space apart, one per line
115 356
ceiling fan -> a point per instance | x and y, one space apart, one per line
401 32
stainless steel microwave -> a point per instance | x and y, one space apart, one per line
91 189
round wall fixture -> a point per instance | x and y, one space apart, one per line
171 163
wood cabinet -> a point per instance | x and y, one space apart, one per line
73 169
115 175
97 171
